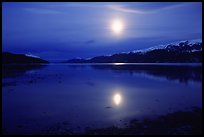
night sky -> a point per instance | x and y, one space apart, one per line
61 31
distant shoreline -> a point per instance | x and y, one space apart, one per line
172 64
118 63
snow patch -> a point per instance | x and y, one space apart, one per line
31 55
163 46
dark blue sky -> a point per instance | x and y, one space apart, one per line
67 30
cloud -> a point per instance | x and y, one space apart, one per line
90 42
125 9
145 8
42 11
129 7
78 5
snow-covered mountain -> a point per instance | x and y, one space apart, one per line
180 46
182 51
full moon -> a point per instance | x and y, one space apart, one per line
117 99
117 26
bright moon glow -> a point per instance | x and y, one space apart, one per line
117 99
117 26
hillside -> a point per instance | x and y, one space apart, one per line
10 58
183 51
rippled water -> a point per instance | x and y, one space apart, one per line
73 97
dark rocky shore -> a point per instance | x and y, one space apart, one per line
177 123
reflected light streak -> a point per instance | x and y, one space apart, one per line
118 63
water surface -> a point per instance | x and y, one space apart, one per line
59 98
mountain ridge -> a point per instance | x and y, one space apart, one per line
175 52
11 58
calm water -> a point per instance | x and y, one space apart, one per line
66 97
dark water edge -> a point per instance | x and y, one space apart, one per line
171 71
183 73
177 123
12 71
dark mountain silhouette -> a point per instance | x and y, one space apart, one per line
10 58
184 51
